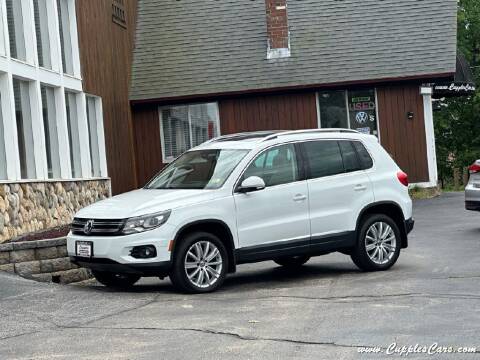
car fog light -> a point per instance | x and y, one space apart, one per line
143 252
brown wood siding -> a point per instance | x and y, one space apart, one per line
293 111
106 58
404 139
269 112
147 143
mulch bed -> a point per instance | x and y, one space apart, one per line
52 233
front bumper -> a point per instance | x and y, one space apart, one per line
161 268
116 250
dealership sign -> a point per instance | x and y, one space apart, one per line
454 89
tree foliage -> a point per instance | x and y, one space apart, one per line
457 124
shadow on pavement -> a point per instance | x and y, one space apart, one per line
247 279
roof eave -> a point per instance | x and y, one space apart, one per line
380 81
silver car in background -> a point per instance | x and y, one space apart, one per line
472 191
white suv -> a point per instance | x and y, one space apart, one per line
281 196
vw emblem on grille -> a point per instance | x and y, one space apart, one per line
87 228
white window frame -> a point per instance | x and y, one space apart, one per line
98 156
19 28
169 159
29 70
27 103
72 56
45 14
52 131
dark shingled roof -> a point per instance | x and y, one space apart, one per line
201 47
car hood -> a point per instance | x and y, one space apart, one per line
143 202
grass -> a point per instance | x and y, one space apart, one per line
418 193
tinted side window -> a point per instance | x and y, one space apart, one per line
363 155
275 166
349 155
323 157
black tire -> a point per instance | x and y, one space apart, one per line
292 261
178 274
359 254
115 280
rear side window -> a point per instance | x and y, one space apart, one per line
350 158
323 157
365 159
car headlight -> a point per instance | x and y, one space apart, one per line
144 223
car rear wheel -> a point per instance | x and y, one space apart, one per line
200 263
115 280
378 243
292 261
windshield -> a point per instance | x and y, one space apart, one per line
200 169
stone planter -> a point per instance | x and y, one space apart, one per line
42 260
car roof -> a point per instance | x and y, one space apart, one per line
261 139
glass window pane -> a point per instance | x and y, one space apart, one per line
186 126
3 45
324 158
176 133
65 36
362 109
93 136
349 155
201 169
41 31
50 129
364 156
333 109
24 128
73 136
15 29
204 125
275 166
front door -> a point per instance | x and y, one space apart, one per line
276 217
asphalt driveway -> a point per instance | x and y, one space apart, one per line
324 311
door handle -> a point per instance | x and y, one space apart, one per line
360 187
299 197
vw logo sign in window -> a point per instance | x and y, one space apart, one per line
361 117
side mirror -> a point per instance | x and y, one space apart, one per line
252 183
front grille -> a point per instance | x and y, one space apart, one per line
100 227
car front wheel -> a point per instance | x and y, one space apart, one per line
200 263
378 243
115 280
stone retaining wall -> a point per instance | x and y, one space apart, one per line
43 260
27 207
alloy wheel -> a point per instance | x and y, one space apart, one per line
203 264
380 242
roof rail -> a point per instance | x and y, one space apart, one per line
244 136
310 131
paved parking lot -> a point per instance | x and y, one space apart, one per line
326 310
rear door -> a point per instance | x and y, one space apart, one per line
338 189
